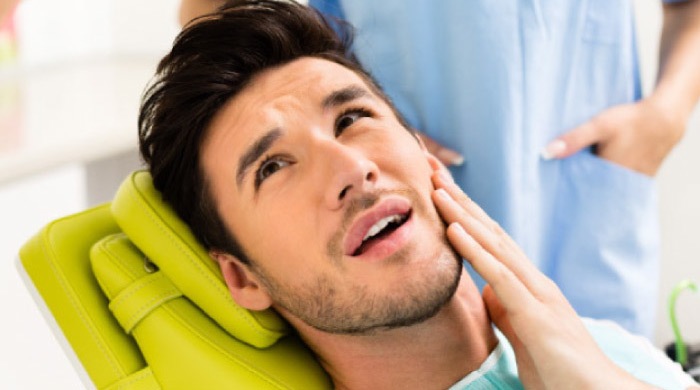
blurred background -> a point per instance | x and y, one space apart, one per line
71 76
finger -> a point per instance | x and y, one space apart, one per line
442 180
453 212
573 141
446 155
495 241
439 169
527 371
456 206
449 157
513 295
497 312
490 234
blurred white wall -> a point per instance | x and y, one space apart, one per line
52 32
57 39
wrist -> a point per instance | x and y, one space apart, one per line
671 115
674 98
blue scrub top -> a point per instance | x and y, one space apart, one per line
497 80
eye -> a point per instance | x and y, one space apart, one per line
348 117
268 167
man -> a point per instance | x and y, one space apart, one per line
301 179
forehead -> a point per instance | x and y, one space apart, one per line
275 98
287 89
307 79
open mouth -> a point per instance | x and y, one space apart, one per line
381 229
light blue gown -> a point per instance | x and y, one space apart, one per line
633 354
497 80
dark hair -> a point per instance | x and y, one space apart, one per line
212 60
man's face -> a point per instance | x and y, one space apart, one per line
329 197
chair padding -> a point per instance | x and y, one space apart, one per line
57 261
133 327
156 230
185 348
134 303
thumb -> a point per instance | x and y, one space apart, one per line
527 371
573 141
498 313
499 316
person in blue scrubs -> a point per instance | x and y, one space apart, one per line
543 101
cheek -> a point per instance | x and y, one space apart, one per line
282 234
412 163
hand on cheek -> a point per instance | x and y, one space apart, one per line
438 168
552 346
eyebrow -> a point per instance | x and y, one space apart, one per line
344 95
253 153
264 143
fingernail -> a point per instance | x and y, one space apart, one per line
452 158
443 194
553 150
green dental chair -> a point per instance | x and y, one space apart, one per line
143 307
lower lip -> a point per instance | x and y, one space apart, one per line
389 244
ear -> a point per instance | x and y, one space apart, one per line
244 286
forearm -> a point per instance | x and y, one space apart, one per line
678 82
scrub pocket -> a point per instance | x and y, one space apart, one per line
608 250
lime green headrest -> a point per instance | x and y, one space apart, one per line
156 230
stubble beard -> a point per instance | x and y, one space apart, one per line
356 309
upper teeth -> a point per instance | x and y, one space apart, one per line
381 224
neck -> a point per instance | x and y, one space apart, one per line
433 354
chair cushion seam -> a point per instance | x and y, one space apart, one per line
143 375
242 362
119 298
147 307
114 260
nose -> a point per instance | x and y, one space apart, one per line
350 172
